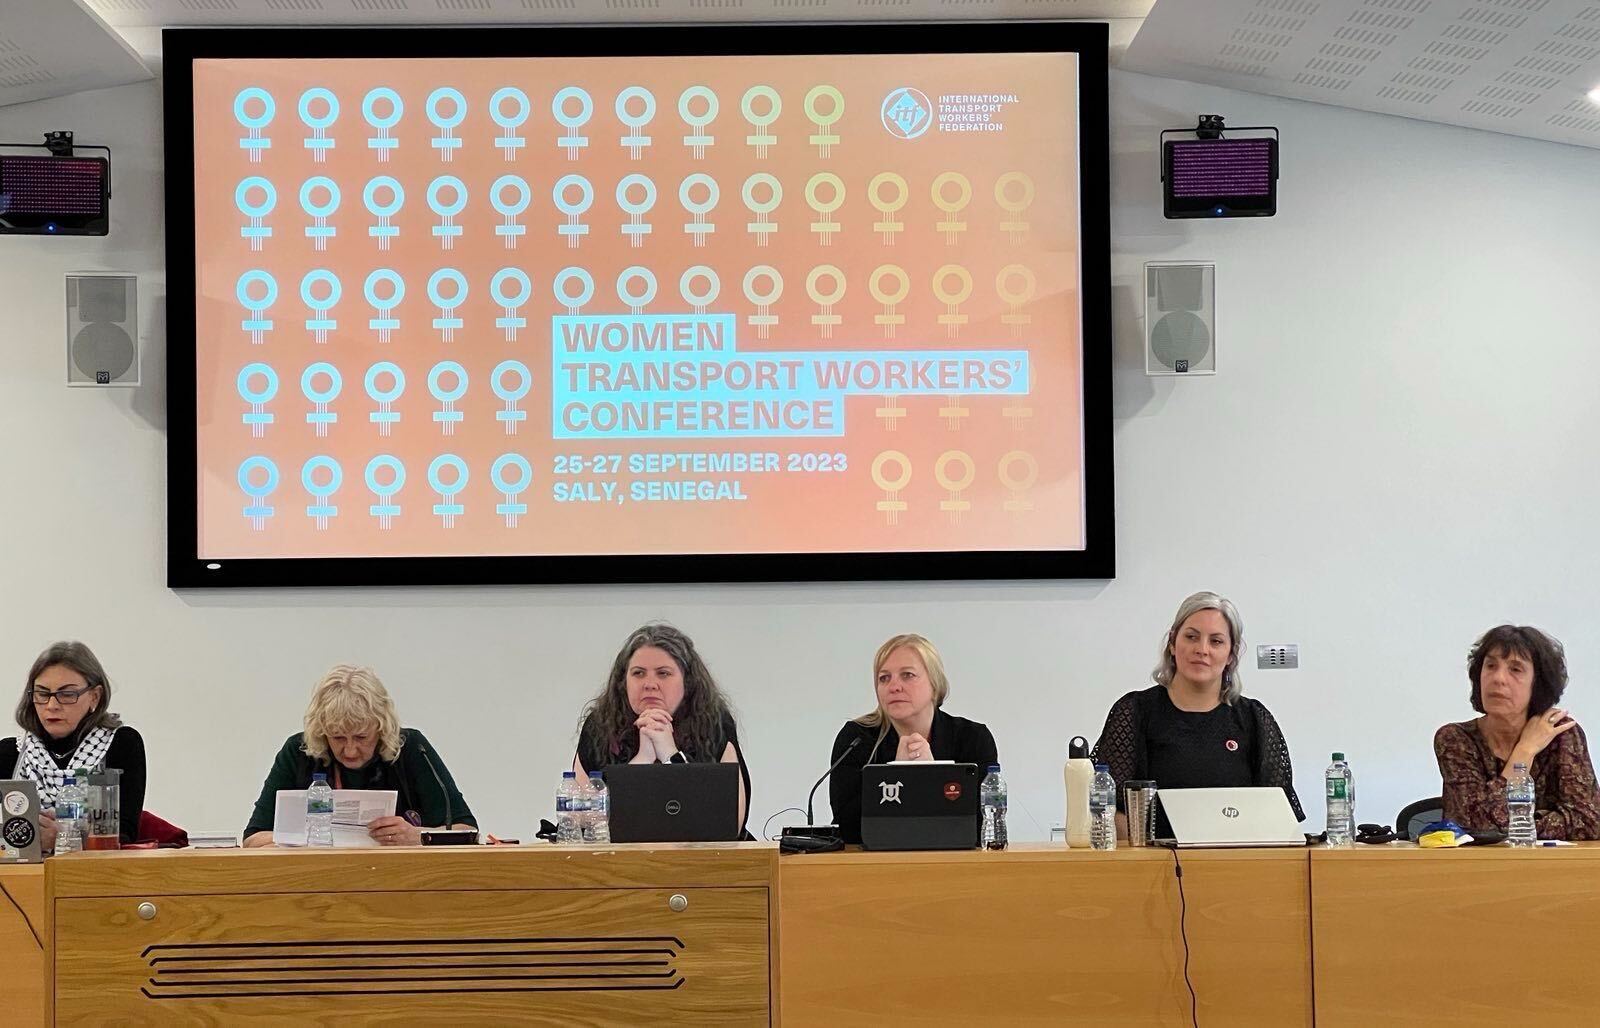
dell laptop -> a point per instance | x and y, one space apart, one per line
673 802
1234 817
920 806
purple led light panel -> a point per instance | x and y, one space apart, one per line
51 185
1222 167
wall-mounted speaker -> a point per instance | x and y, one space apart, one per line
1180 319
102 330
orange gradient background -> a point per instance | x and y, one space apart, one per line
786 511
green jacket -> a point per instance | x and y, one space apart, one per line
410 776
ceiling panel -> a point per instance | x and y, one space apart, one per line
55 47
1523 67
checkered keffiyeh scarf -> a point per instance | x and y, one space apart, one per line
35 763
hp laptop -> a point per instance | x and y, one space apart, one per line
674 802
1222 818
920 806
19 822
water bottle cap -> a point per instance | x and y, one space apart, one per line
318 776
1102 767
1519 766
569 774
994 769
1337 756
597 774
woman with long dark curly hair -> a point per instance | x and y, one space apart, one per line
660 705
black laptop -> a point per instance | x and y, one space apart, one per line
673 802
919 806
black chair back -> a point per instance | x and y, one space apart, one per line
1414 817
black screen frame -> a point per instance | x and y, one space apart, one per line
1089 40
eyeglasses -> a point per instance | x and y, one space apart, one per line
67 696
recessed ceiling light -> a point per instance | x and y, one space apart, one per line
1594 94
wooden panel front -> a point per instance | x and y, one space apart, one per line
1483 936
580 936
1042 935
579 956
22 931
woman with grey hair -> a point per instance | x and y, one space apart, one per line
1194 728
66 721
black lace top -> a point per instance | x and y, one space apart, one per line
1237 744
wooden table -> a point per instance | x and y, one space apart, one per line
22 935
1490 935
570 935
1039 934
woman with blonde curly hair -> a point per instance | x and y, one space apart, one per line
353 735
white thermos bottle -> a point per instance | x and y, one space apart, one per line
1079 778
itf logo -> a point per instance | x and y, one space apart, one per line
907 113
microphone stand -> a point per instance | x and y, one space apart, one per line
448 835
814 838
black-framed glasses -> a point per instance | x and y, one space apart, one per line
67 696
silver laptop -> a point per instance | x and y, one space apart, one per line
19 822
1220 818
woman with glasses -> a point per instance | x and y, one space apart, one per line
67 723
353 735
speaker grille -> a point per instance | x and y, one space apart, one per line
102 330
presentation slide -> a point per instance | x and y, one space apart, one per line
647 305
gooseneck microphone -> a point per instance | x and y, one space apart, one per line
812 839
449 820
810 821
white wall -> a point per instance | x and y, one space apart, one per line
1397 453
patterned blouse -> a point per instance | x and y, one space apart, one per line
1567 804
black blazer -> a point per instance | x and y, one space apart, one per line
951 738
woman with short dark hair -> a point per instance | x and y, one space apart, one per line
1518 674
66 721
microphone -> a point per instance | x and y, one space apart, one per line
810 822
449 822
812 839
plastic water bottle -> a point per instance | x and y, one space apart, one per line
582 808
1341 810
993 794
1103 809
598 828
567 827
69 814
319 812
1519 807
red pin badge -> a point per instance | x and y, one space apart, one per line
952 791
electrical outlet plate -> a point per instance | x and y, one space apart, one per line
1278 658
